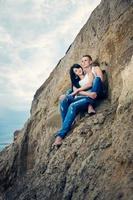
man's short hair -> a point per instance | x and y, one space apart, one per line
95 63
88 56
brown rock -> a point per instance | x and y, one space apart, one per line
95 160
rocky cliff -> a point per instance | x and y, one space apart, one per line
95 160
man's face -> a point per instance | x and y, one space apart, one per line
85 63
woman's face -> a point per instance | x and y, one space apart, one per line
78 71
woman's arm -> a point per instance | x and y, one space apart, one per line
92 95
74 89
87 85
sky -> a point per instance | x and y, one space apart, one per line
34 36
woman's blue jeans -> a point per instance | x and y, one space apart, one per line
70 107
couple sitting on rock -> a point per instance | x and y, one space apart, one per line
87 86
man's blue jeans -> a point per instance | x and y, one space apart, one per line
70 107
97 86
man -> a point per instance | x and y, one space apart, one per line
70 106
86 64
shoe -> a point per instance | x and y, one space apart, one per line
91 113
56 147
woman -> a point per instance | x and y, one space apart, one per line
78 80
72 104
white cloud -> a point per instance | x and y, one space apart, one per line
34 35
5 36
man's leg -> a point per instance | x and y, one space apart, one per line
97 86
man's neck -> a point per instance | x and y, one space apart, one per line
87 69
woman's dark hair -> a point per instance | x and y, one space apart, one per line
74 78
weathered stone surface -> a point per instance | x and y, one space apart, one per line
95 160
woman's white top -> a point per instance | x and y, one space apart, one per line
85 80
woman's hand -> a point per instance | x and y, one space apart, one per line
75 92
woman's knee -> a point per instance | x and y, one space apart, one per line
73 107
62 97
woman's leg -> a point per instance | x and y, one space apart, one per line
64 104
73 109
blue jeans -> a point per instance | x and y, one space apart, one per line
97 86
69 108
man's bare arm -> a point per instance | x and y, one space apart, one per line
98 72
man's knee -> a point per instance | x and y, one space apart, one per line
97 80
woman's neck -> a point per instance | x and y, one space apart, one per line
81 77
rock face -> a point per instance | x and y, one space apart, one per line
95 160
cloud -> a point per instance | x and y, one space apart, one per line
34 35
5 37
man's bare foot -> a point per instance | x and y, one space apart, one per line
91 110
92 95
58 141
